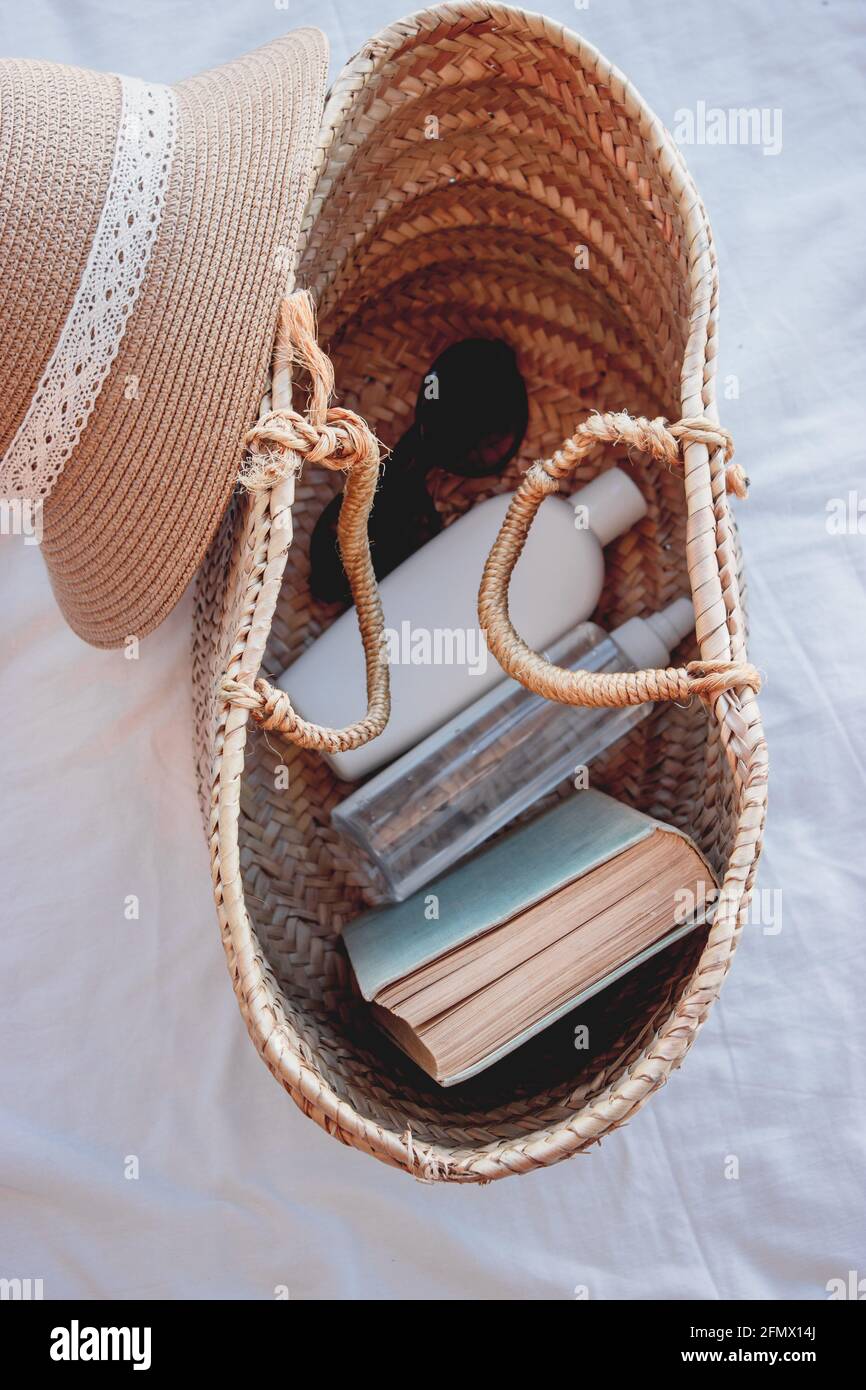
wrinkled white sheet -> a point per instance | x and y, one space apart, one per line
122 1038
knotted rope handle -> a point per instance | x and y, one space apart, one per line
706 679
279 444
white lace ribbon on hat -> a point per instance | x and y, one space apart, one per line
110 284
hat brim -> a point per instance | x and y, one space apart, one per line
137 505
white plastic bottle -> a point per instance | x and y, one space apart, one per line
495 759
439 661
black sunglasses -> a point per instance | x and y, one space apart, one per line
470 419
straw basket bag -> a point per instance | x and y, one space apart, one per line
481 172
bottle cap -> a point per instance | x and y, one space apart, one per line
647 643
613 503
673 623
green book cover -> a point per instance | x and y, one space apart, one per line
520 869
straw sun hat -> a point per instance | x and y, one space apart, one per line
145 233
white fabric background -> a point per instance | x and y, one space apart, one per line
123 1038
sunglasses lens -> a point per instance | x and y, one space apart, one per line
490 455
472 410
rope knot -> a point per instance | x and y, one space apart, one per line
697 429
269 707
654 437
710 678
282 441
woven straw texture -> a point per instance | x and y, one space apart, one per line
411 243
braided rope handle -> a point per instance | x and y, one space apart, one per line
279 444
707 679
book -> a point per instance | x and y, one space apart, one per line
485 957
